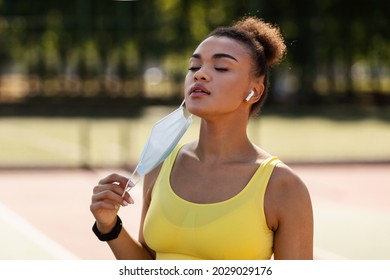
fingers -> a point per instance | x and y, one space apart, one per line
111 189
107 197
127 197
114 178
109 194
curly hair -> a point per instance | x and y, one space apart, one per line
265 44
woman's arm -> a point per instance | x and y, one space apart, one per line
106 199
291 215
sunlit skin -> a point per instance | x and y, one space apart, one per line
222 66
224 148
222 161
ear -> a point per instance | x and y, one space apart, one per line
258 89
255 94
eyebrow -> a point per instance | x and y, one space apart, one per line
216 56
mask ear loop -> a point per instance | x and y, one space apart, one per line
182 106
130 184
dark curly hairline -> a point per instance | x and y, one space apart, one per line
257 51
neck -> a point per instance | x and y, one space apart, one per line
223 140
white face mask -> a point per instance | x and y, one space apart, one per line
163 138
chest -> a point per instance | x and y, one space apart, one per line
235 229
210 183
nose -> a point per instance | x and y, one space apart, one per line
201 75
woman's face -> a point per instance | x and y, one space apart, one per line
218 79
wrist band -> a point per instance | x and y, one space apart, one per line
113 234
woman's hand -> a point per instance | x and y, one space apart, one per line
106 200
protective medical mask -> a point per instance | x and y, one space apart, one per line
163 138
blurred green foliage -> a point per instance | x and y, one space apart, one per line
338 51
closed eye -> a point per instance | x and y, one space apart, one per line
193 69
221 69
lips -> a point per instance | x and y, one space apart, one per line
199 89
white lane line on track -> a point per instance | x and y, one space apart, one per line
34 235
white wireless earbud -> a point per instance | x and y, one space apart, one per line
250 95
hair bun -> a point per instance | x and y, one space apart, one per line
265 34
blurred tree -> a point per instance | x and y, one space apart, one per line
331 44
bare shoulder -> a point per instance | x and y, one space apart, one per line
287 195
286 183
289 214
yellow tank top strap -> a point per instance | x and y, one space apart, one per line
266 168
167 165
260 179
170 160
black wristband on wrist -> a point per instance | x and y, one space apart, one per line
113 234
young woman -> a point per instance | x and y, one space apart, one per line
221 197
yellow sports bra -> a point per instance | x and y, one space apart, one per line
232 229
